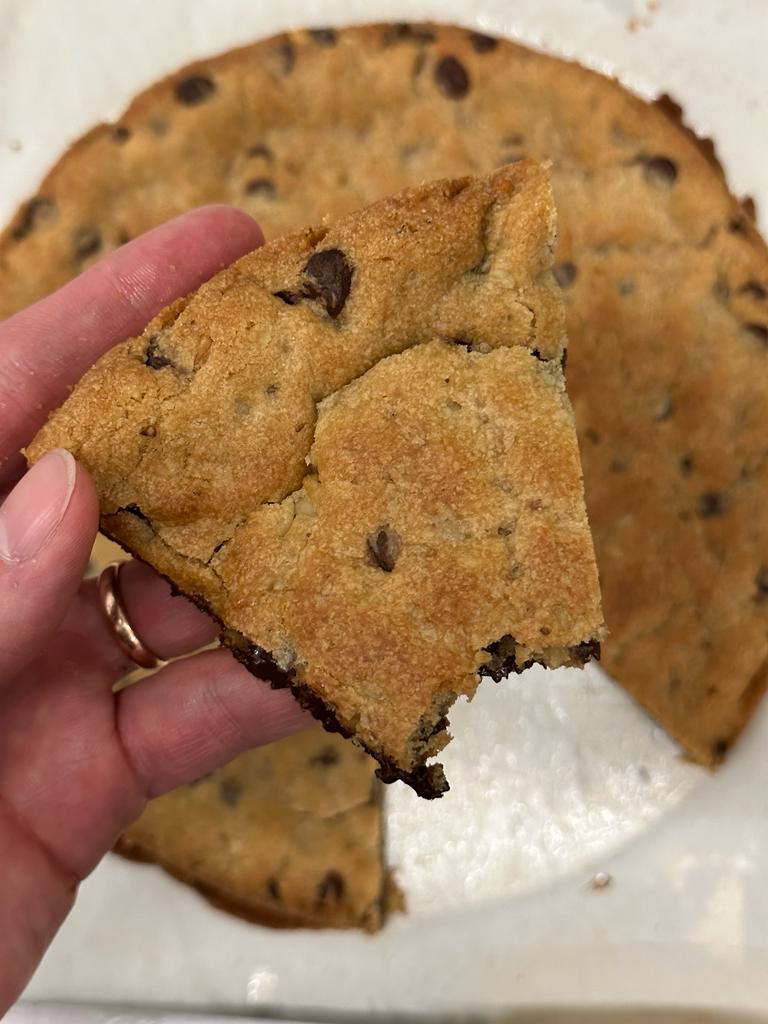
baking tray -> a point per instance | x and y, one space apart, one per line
579 860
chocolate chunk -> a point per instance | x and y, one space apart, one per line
755 289
482 43
230 791
133 510
38 209
711 504
272 389
331 888
148 431
587 651
502 660
737 225
121 133
452 78
326 757
154 358
686 464
261 186
323 36
273 889
565 273
405 32
383 548
289 298
329 279
286 53
761 583
194 89
261 150
759 331
660 170
720 749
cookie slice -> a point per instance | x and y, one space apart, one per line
354 448
289 835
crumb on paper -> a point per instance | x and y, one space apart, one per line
632 24
601 880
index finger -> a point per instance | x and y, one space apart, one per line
45 349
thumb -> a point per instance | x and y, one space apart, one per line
47 527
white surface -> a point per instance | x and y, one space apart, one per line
555 777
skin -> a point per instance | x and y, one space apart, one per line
78 762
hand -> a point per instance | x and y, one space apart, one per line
77 761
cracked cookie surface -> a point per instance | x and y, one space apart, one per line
664 277
288 835
362 459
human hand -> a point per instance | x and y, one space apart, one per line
77 761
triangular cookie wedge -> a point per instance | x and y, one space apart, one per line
354 448
289 835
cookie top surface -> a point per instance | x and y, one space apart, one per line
664 277
287 835
354 447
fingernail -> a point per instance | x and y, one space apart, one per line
36 506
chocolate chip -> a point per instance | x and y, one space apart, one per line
86 242
289 298
286 53
759 331
452 78
122 238
720 749
133 510
482 43
121 133
38 209
326 757
755 289
625 286
148 431
154 357
545 630
737 225
261 150
505 531
592 435
260 186
664 408
273 889
384 546
660 170
721 290
272 389
686 464
323 36
761 583
565 273
619 465
194 89
330 278
502 660
587 651
711 504
230 791
331 887
405 32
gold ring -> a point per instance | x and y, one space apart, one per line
117 617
